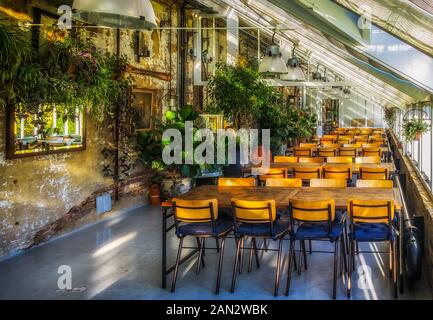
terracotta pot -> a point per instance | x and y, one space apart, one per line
154 195
417 136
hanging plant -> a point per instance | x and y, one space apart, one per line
414 129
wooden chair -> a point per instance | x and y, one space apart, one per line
271 173
327 152
285 159
348 152
308 145
307 173
257 219
372 221
316 221
367 173
369 152
199 219
337 172
302 152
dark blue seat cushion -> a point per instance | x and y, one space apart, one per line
318 230
263 229
366 232
204 228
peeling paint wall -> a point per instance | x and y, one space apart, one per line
38 194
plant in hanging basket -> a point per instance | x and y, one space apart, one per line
414 129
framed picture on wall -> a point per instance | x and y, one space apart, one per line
144 102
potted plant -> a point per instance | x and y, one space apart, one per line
414 129
174 179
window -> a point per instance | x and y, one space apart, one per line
44 129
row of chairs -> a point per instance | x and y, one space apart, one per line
308 151
326 172
337 159
360 131
369 221
298 183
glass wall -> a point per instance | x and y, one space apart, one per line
419 151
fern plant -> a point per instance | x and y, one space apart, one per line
413 129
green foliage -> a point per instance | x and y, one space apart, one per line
71 72
412 128
390 116
237 90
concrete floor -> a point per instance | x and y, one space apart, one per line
120 259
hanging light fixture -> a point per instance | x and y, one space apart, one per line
273 63
295 72
317 75
125 14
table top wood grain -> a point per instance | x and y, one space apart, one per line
282 196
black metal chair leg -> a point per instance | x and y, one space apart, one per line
265 244
343 252
241 259
394 268
305 254
176 268
200 256
349 271
217 245
300 259
250 258
334 288
220 265
289 265
235 267
277 272
357 247
310 245
256 253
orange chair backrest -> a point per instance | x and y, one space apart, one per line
317 211
285 159
307 173
337 172
251 211
195 210
302 152
370 211
368 173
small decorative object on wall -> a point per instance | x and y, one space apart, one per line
144 102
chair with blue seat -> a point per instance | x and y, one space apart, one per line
257 219
199 219
315 220
372 221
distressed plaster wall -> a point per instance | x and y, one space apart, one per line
46 195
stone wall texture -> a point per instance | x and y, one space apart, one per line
45 195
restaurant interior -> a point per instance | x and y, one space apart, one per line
216 150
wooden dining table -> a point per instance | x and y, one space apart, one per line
282 197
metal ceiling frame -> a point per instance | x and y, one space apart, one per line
373 83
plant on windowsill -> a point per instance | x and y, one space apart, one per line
390 117
414 129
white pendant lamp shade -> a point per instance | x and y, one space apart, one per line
272 63
122 14
294 72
